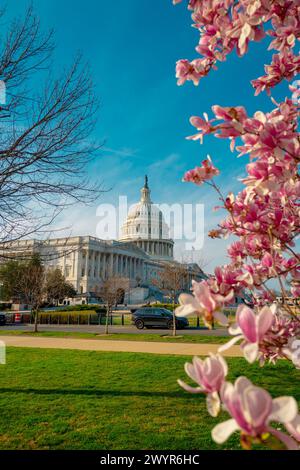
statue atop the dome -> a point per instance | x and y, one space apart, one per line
145 192
146 182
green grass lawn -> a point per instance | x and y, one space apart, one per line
58 399
181 338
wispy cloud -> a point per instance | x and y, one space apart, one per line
123 152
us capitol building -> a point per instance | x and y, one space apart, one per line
140 254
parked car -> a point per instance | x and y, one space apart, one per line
157 317
2 319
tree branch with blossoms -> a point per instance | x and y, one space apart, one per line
264 217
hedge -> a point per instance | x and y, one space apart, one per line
81 308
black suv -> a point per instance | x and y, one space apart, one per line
2 319
156 317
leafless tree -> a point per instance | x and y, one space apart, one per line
172 280
196 257
112 291
46 126
24 281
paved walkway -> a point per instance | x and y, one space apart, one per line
118 346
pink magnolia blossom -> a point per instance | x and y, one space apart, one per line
210 375
284 65
193 71
250 328
202 125
227 25
264 215
295 290
252 409
203 303
278 340
202 173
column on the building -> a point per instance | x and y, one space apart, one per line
103 265
130 267
98 274
142 269
85 288
118 264
86 262
110 263
121 265
77 269
126 266
98 264
93 261
115 271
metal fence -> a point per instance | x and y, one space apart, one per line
64 318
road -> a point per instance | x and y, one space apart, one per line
117 329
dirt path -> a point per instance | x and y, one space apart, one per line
118 346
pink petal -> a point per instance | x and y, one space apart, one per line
257 403
284 409
247 322
230 343
293 427
287 440
213 404
250 351
223 431
221 318
188 388
265 320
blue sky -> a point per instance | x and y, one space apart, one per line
132 48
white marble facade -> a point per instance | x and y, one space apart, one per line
140 255
146 228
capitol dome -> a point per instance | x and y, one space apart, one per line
146 227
